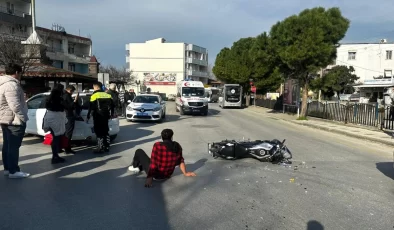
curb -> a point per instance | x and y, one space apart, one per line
389 143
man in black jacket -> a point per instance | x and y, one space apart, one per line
70 106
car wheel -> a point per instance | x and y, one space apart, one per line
164 115
113 137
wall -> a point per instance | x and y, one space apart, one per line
370 59
156 61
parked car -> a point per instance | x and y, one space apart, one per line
146 107
82 130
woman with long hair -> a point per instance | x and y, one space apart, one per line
55 122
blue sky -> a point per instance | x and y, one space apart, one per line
212 24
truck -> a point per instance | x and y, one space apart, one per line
190 98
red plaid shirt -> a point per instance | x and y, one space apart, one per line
163 161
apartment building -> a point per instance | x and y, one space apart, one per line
373 64
159 65
67 51
16 18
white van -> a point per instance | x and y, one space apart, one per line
190 98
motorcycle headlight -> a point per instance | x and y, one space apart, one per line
157 109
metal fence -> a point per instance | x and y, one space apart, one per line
353 113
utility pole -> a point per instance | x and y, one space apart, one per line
321 76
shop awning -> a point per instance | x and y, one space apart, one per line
374 86
52 73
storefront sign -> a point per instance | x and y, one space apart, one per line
160 78
378 81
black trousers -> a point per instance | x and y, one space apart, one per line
141 160
69 130
101 129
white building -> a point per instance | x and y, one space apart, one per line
16 18
159 65
373 64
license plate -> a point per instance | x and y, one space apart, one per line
142 114
196 110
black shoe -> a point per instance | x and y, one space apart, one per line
70 151
61 151
57 160
106 150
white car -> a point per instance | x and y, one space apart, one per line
146 107
82 130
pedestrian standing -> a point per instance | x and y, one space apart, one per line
70 105
114 95
13 118
102 109
55 121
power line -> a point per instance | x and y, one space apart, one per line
360 67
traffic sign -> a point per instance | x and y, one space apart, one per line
253 89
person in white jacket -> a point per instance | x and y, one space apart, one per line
13 118
55 121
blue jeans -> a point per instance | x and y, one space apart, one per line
12 141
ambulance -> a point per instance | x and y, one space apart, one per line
190 98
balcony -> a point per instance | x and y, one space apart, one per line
15 16
197 73
191 47
55 50
197 61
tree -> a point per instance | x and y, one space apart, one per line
118 74
265 73
338 80
307 42
235 65
27 54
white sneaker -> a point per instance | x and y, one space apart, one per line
18 175
6 172
134 170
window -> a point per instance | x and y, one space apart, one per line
37 102
10 8
388 73
389 54
127 53
71 48
71 67
147 99
352 55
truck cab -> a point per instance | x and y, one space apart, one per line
190 98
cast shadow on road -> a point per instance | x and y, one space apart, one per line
314 225
128 139
387 168
108 199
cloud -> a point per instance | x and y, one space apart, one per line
213 24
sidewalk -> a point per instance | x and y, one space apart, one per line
361 132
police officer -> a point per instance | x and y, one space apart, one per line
102 108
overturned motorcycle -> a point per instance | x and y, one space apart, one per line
266 151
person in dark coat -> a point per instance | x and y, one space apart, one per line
70 105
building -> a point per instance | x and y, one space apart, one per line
159 65
67 51
51 56
373 64
16 18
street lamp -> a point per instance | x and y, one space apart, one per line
138 82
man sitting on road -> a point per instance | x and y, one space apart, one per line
165 156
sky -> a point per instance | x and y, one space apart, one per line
212 24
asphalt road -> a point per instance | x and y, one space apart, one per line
344 183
